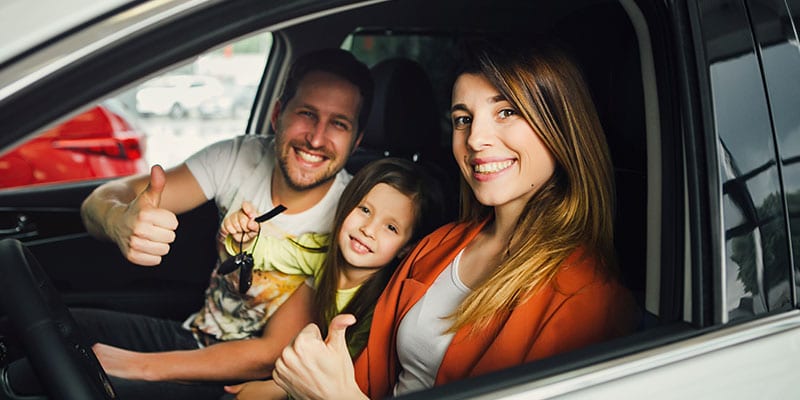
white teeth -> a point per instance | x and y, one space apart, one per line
360 247
308 157
492 167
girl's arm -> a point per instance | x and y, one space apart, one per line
311 368
234 360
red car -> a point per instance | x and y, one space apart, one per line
98 143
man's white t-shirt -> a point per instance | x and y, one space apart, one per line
231 172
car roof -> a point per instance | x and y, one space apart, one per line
25 24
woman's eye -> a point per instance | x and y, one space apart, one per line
461 121
507 112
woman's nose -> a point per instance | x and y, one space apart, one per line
481 134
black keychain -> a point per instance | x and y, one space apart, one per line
243 260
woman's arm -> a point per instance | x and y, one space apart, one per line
235 360
311 368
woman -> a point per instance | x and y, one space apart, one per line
527 273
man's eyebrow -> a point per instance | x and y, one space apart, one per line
344 117
335 115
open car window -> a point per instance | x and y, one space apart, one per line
161 120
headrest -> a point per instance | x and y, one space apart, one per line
403 120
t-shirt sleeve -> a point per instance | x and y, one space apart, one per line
300 256
212 165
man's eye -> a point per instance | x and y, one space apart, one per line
341 125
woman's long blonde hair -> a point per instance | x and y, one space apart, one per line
574 208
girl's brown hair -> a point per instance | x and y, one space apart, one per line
410 180
574 208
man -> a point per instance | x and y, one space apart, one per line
318 122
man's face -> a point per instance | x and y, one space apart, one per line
316 130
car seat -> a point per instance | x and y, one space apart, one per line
403 123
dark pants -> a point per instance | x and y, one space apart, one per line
144 334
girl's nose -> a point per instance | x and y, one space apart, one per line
367 230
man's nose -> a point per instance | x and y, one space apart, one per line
316 135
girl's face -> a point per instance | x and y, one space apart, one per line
378 228
498 152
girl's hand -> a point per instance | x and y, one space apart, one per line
241 222
311 368
256 390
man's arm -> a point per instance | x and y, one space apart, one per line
139 213
237 360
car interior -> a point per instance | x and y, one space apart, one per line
413 67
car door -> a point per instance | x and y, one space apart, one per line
46 216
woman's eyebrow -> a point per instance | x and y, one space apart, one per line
458 107
497 99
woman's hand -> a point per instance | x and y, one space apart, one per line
311 368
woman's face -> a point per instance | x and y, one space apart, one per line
498 152
378 228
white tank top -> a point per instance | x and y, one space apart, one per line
421 341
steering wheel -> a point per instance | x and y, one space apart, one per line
59 354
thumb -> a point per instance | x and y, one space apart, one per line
336 331
233 389
158 179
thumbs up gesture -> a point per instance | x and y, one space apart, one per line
313 368
144 230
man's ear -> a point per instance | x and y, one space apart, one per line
276 112
357 142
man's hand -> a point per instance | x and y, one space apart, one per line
142 230
120 362
311 368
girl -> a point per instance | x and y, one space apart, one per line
384 210
528 272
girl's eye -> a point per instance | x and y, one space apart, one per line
461 121
392 228
507 112
364 209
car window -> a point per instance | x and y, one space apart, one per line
756 278
160 121
776 33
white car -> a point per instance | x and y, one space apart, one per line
699 100
178 95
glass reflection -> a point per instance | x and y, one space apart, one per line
757 272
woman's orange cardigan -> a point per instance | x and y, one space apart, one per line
580 307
